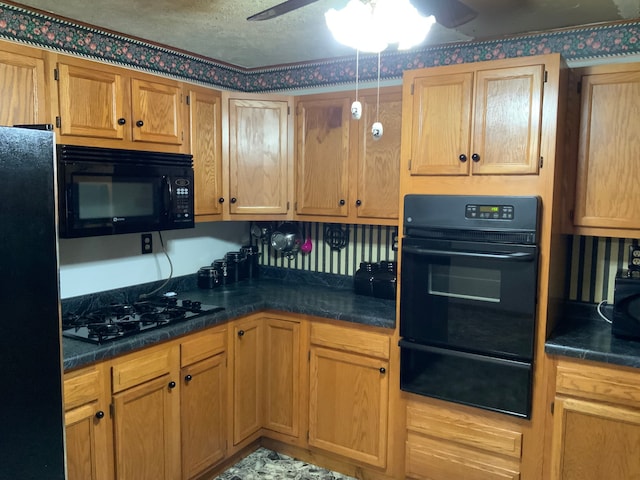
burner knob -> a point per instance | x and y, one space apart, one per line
172 302
196 306
187 303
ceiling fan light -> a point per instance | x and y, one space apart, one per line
353 26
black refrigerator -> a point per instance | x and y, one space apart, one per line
31 409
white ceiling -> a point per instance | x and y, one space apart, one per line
218 29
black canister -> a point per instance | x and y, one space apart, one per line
237 262
384 281
208 277
252 260
363 279
226 271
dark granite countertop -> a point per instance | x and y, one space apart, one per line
583 334
290 293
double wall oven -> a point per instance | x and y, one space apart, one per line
468 299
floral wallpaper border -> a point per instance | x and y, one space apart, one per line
21 25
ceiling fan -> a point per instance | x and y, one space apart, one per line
448 13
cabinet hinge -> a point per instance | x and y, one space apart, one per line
546 76
412 89
288 110
309 356
58 122
56 74
295 206
409 164
112 410
553 406
571 215
579 87
188 100
182 135
541 161
307 435
287 205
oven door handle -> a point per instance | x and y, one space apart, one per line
456 353
515 256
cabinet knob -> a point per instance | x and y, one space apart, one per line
462 157
122 121
342 202
221 200
188 378
240 333
358 202
475 157
234 199
383 370
139 123
99 414
172 384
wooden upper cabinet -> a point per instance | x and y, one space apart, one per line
322 162
468 120
23 88
260 174
107 106
609 149
206 147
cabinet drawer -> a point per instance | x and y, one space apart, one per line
464 430
432 460
141 368
599 383
205 345
81 387
350 340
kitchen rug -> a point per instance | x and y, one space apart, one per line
264 464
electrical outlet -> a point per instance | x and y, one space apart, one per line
146 243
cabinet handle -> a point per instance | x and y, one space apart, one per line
99 414
188 378
234 199
172 384
383 370
342 202
475 157
462 157
139 123
240 333
221 200
358 203
122 121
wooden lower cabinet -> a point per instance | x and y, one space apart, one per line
349 393
596 422
444 443
88 425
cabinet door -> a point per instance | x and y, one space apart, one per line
323 156
156 110
258 157
206 148
378 165
91 101
22 87
282 376
147 431
440 125
86 443
592 441
203 415
607 193
348 403
507 120
247 379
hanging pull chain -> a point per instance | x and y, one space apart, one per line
356 107
376 129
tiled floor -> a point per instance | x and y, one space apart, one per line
267 464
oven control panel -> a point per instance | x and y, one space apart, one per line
489 212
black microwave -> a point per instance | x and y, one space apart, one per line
626 304
104 191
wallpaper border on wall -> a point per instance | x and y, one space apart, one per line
594 263
364 243
24 26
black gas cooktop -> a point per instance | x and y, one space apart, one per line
116 321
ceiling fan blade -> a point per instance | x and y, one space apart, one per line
448 13
280 9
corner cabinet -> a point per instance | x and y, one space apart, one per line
607 197
107 106
349 393
342 173
474 119
596 422
24 95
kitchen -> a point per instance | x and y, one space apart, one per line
111 255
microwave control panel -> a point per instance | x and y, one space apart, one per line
489 212
183 200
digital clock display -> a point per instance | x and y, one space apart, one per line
488 209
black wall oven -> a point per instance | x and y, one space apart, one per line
468 299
